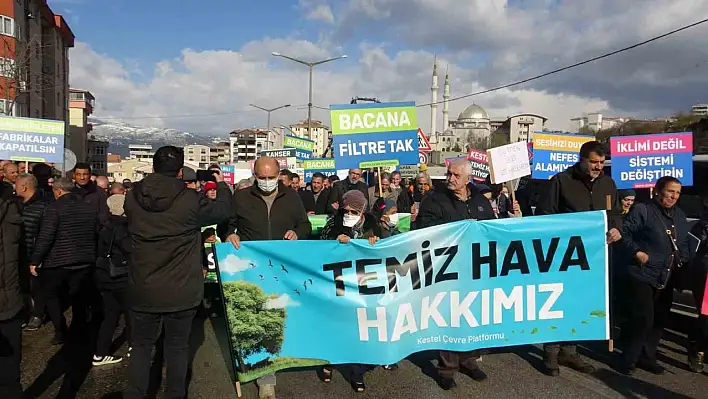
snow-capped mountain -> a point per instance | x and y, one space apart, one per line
121 134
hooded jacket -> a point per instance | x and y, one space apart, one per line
164 222
11 301
572 191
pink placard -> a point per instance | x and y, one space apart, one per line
704 306
651 144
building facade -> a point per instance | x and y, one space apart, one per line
141 152
97 155
81 103
198 154
595 122
219 153
247 144
132 169
700 110
319 135
519 127
34 60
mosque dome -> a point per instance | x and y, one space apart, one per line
474 111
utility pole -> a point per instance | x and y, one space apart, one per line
269 111
311 66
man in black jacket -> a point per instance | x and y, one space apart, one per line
341 187
582 187
33 205
267 210
11 301
315 199
460 201
64 255
90 192
166 283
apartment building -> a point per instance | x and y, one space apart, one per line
247 144
198 154
141 152
81 103
320 135
132 169
219 153
34 61
97 155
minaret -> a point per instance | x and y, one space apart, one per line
434 101
446 100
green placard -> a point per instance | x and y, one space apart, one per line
318 164
378 164
373 120
299 143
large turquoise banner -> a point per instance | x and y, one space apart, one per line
458 287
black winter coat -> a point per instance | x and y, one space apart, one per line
164 221
340 188
11 301
334 227
319 207
95 197
116 231
32 211
67 235
251 221
571 192
645 230
440 207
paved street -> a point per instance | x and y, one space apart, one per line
51 372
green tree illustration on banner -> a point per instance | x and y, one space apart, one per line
253 327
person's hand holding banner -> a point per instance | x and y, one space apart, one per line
613 236
235 240
290 235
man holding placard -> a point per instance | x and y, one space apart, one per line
582 187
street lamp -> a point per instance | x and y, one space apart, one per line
269 111
310 65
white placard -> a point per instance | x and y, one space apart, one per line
508 162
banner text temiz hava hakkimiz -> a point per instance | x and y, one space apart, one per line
374 135
460 286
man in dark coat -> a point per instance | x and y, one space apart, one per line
460 201
315 199
582 187
64 255
268 210
90 192
11 300
166 283
339 188
33 205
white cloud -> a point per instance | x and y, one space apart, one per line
486 43
232 264
323 13
281 302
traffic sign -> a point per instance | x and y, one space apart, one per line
422 158
423 143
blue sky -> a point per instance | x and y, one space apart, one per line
160 58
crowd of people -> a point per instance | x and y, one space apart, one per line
110 249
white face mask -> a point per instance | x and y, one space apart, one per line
393 219
351 220
267 186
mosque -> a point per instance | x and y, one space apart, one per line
474 124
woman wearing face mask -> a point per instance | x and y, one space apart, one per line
386 212
351 222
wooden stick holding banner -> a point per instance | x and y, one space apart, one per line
380 185
611 343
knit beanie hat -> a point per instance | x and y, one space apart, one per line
354 199
115 204
627 193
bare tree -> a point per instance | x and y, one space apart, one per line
17 78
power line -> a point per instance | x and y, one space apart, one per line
653 39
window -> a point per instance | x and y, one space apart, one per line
4 105
7 26
7 67
76 96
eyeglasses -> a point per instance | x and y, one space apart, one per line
351 212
